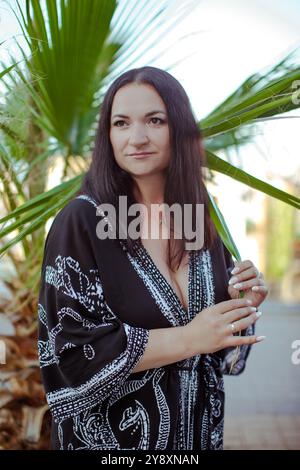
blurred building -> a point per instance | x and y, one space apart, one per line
265 230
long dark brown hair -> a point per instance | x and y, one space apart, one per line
105 181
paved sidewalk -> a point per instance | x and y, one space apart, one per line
262 432
262 405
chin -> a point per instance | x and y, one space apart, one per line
143 170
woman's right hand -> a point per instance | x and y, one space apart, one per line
211 328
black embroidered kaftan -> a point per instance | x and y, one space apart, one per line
97 304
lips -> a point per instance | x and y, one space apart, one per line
141 155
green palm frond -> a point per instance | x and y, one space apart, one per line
66 41
222 229
75 49
35 213
217 164
45 200
262 95
7 70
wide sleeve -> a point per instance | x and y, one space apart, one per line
85 351
235 355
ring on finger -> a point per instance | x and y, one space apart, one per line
232 326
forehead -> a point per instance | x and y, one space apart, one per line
137 99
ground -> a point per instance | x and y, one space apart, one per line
262 407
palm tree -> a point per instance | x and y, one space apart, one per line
69 75
74 49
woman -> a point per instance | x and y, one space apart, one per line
136 333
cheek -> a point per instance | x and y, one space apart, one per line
163 140
117 143
113 139
116 147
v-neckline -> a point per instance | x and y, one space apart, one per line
169 288
166 283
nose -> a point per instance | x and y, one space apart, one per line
138 135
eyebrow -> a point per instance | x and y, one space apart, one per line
146 115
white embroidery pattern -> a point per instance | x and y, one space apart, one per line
70 401
92 427
89 404
89 351
45 348
89 290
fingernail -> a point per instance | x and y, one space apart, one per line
253 309
255 288
232 280
260 338
235 271
258 314
238 285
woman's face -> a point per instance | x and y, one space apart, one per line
134 130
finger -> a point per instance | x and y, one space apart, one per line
243 340
249 273
261 289
242 324
237 314
228 305
240 266
248 284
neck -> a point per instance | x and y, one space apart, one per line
149 189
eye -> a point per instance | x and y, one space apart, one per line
116 123
161 121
